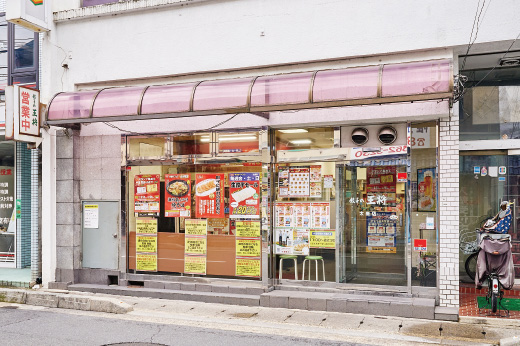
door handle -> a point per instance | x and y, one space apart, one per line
114 235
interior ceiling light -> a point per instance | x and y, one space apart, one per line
294 131
360 135
229 139
301 141
387 135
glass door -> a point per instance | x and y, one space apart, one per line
373 234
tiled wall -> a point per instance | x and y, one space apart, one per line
449 212
23 193
87 168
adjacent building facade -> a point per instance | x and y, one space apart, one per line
290 145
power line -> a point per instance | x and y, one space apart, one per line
476 20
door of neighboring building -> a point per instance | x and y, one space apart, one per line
100 229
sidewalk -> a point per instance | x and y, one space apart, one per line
316 324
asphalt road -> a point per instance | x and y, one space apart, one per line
26 326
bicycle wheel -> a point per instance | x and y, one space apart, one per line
494 301
471 265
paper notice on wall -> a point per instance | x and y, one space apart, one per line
493 171
91 216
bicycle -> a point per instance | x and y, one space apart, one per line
468 244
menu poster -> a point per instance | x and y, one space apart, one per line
146 244
299 179
381 179
284 212
315 189
300 242
315 174
320 215
244 191
381 231
146 193
283 182
322 239
177 198
328 181
284 241
218 226
209 195
302 214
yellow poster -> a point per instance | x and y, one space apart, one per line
195 245
146 262
146 226
248 247
247 229
196 227
381 249
195 265
146 244
248 267
323 239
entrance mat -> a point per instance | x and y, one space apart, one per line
509 303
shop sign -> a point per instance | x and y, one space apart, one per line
381 249
248 247
146 244
244 190
420 138
323 239
196 227
195 265
247 229
177 197
248 267
209 195
381 179
426 186
419 244
23 114
145 262
359 153
31 14
91 216
146 226
146 193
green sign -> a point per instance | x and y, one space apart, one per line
18 208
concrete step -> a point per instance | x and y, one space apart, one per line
164 293
351 303
362 290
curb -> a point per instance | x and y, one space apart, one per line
64 301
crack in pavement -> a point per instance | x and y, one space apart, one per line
159 329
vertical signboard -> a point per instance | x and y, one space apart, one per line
209 195
248 247
244 189
27 13
146 193
146 244
195 246
177 195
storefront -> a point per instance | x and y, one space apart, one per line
309 189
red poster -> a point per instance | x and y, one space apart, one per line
244 192
209 195
177 197
381 179
146 193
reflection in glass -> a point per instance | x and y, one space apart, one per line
23 47
303 139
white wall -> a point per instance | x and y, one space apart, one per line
222 35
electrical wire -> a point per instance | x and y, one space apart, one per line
476 20
222 123
117 128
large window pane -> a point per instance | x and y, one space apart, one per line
23 48
3 54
